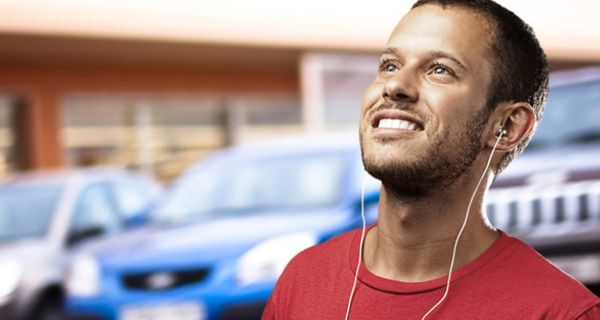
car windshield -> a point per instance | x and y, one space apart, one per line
571 116
242 187
26 210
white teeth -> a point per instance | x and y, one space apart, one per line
396 124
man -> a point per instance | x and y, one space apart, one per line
460 83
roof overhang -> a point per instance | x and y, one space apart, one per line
567 30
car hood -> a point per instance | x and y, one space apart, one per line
209 241
569 163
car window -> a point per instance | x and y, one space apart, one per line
240 187
131 196
572 115
26 210
95 209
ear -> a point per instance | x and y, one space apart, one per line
518 121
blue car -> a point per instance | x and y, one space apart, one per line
224 233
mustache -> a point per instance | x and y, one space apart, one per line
395 106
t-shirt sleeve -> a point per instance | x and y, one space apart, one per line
269 312
272 311
591 314
275 308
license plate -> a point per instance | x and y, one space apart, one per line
175 311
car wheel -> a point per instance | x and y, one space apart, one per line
49 310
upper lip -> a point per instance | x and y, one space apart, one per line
395 114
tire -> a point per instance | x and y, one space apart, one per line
49 309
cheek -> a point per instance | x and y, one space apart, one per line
371 96
451 108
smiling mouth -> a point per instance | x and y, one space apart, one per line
386 123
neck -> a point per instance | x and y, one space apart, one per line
414 238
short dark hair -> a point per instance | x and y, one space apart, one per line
520 64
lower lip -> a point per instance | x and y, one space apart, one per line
393 133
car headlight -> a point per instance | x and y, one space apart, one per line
10 276
84 277
267 260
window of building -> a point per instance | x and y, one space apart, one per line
7 138
333 87
162 134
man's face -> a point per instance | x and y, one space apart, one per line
422 116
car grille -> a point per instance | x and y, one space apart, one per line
527 208
163 279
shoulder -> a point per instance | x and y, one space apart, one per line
540 282
321 263
319 266
592 313
529 263
331 253
311 276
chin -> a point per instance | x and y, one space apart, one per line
412 175
399 182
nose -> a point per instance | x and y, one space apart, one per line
401 87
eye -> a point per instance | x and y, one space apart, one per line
388 66
442 70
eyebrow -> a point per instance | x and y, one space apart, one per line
432 55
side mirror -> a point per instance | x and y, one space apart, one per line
371 198
371 201
77 236
138 219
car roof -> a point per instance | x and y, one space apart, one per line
302 144
572 77
291 146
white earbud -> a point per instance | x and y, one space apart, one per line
501 132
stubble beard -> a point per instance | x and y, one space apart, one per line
447 158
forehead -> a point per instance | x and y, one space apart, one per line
461 32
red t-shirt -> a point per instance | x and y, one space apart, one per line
509 281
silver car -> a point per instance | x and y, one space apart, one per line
550 195
44 217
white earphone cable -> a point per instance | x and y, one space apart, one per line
364 227
462 228
362 239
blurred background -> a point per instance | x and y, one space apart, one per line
165 94
155 85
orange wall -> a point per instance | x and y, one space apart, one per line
41 87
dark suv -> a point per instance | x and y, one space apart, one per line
550 195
